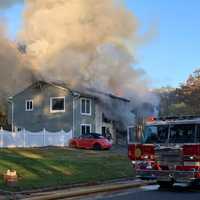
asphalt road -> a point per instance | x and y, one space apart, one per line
148 193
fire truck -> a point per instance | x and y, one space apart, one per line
167 150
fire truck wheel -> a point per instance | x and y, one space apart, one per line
165 184
195 184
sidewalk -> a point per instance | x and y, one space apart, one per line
85 190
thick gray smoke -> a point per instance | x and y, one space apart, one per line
15 71
85 43
92 41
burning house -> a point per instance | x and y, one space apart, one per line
92 45
54 106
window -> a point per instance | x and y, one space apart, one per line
103 131
85 106
155 134
85 129
182 133
57 104
29 105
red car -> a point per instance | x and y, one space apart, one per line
91 141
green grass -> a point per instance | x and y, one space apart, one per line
39 168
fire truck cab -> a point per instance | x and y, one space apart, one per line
168 150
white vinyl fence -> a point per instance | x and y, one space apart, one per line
26 138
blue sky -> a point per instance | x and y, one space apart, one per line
174 51
13 16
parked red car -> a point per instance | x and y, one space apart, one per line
91 141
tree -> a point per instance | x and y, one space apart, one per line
184 100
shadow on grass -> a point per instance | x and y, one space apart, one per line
51 167
41 170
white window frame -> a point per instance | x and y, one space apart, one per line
90 125
56 111
90 113
26 103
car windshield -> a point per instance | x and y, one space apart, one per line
97 135
182 133
155 134
85 136
92 135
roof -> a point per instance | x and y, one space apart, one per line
88 91
96 93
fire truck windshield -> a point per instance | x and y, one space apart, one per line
155 134
182 133
178 133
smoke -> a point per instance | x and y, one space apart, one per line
11 63
15 73
88 40
85 43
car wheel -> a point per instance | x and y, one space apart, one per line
97 147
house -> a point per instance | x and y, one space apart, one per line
54 106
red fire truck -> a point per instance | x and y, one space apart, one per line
168 150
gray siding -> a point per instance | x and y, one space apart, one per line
41 117
83 119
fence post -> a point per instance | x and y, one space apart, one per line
44 135
61 137
1 137
24 137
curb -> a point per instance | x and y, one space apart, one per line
89 190
66 186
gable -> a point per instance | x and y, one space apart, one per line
42 87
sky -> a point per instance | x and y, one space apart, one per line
173 52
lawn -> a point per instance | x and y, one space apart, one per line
39 168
